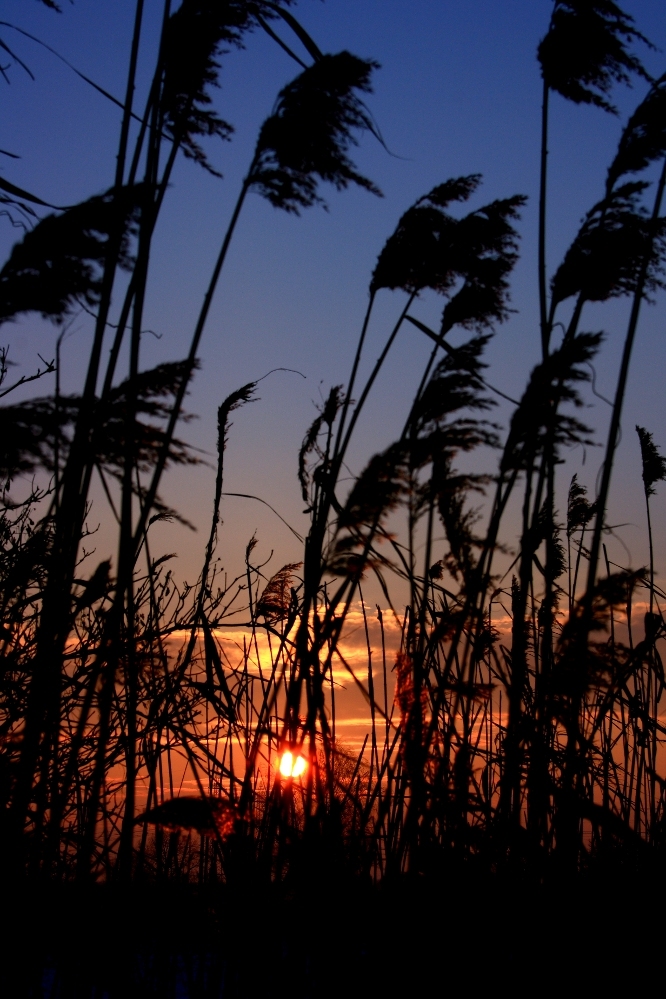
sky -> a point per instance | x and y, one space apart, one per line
458 92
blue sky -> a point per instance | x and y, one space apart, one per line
458 93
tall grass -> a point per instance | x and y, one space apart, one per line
513 718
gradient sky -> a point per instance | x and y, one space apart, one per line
458 93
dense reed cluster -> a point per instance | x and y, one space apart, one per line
515 721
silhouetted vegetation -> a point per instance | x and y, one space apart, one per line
514 730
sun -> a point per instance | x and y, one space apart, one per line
292 766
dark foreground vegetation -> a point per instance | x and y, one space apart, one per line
525 764
412 939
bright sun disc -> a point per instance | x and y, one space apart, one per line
290 767
286 764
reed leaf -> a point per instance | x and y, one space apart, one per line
207 816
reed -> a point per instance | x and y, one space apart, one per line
170 735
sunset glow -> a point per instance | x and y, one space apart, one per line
292 767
